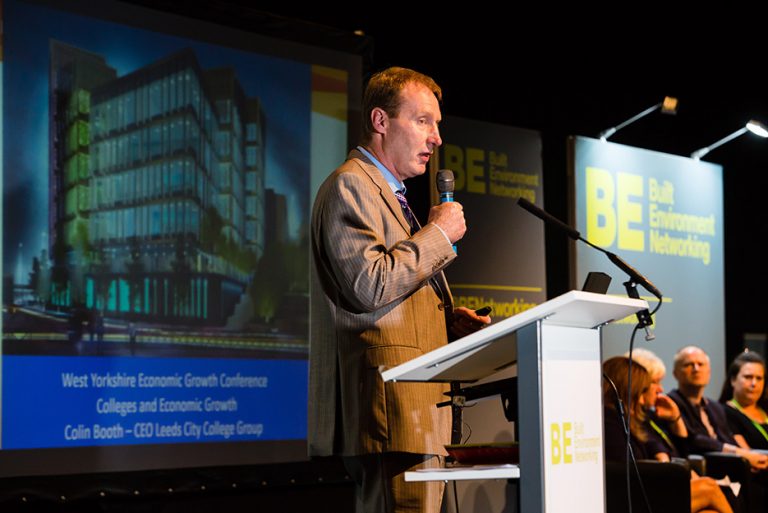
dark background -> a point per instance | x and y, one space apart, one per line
559 71
564 73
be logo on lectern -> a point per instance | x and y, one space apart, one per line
562 442
570 443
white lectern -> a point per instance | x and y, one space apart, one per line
560 418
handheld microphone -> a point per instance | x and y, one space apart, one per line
445 186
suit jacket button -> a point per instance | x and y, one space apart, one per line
441 306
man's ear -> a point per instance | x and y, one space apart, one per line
379 120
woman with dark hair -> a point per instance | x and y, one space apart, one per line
616 370
744 394
705 493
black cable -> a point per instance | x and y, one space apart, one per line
627 430
469 428
455 496
640 482
626 424
658 305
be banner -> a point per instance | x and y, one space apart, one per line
501 258
662 214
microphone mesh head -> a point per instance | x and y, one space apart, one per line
445 180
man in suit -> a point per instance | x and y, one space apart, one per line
704 418
379 299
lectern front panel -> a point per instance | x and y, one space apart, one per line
572 419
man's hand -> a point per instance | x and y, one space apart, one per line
466 321
450 217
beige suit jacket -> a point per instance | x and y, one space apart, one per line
372 307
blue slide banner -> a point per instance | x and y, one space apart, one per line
59 401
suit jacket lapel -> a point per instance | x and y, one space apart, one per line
394 206
384 190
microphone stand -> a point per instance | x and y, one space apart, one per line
644 318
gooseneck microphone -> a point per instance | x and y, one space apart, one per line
445 186
548 218
572 233
634 275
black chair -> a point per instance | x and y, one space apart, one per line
718 465
667 486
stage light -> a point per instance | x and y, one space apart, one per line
667 106
753 126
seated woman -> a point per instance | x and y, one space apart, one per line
667 434
705 493
744 394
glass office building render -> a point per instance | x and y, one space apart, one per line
157 201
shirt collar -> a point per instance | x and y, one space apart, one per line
393 182
701 404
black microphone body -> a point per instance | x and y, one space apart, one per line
632 272
548 218
445 186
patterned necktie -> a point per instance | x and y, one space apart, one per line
407 212
411 218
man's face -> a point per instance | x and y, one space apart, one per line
693 369
411 137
